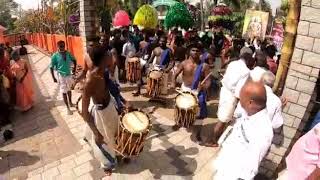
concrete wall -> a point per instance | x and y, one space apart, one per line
88 14
299 87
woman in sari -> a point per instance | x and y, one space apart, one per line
23 77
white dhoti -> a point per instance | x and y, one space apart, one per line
186 88
227 105
106 120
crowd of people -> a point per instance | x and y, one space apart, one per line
241 71
16 87
244 70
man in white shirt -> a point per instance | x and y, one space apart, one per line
235 71
274 103
250 139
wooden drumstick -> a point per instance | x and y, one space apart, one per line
204 80
179 91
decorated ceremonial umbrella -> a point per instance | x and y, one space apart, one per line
178 16
146 17
121 18
222 16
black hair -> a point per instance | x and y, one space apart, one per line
250 61
59 43
163 37
271 51
195 44
97 55
261 60
159 33
179 41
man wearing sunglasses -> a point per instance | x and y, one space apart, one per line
61 62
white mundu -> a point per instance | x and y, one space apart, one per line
244 148
236 71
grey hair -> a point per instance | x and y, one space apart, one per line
268 78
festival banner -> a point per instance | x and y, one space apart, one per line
255 24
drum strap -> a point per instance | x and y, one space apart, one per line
197 76
165 57
204 57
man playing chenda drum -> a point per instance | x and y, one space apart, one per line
194 71
162 57
103 120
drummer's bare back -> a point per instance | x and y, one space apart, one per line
188 71
97 89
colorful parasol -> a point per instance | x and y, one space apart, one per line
146 17
121 18
178 16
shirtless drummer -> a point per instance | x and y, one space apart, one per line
103 117
194 72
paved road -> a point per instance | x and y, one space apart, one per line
48 143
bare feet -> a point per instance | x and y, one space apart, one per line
108 172
69 112
71 104
210 144
175 127
136 94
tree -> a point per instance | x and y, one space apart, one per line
7 8
288 44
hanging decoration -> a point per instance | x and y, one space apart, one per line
178 16
121 18
146 17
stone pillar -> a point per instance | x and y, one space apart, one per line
88 18
299 87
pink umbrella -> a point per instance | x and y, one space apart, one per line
121 18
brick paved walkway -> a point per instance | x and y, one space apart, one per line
49 145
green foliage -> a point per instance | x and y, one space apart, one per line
7 9
178 16
146 17
104 14
284 5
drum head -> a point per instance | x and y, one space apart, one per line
135 122
185 101
134 59
155 74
